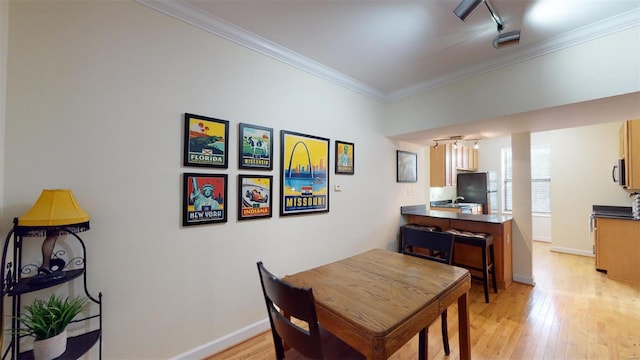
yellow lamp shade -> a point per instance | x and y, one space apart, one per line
54 208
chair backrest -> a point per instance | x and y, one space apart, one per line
284 302
430 245
477 239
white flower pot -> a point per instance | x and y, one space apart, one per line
50 348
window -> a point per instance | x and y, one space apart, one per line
540 179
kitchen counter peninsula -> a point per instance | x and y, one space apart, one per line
500 226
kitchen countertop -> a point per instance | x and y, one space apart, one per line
612 212
421 210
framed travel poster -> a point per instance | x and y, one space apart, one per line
254 196
205 141
345 155
255 147
204 199
304 169
407 166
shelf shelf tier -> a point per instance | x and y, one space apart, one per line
26 285
76 346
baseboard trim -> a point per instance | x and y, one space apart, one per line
546 239
572 251
225 342
524 279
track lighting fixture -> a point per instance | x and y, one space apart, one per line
506 39
466 8
454 141
494 15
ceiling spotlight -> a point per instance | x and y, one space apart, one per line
506 39
466 8
436 145
476 146
455 144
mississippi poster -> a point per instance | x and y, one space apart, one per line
205 141
304 169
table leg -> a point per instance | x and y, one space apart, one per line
464 328
423 344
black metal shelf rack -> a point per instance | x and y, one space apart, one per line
18 280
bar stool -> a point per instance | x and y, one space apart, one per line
485 242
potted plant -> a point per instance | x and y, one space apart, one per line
47 320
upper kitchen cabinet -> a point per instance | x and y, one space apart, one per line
441 172
446 162
630 152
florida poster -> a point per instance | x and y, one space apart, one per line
204 198
254 196
205 141
304 169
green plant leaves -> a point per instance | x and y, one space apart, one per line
46 318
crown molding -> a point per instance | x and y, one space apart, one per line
596 30
240 36
217 26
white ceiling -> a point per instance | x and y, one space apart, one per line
389 49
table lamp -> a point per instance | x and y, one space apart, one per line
55 213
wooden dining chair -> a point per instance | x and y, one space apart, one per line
292 315
434 246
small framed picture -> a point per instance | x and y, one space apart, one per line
254 196
204 199
407 166
345 156
255 147
206 141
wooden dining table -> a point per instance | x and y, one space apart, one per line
378 300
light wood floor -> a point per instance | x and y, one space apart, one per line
573 312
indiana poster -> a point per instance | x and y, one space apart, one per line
254 196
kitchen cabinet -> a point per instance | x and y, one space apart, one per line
445 162
630 151
617 247
441 172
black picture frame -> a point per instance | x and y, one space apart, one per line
304 173
255 196
345 155
198 208
255 147
407 166
206 141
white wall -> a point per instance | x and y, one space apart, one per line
521 196
580 73
4 27
582 159
95 103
